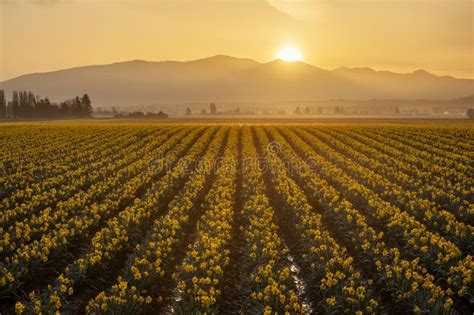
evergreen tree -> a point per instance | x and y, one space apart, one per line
31 104
86 105
3 107
22 104
65 108
15 104
77 107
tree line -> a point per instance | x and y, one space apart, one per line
24 104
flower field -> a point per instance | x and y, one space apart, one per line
242 218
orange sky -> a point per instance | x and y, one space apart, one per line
395 35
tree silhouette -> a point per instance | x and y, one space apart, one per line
470 113
213 108
339 110
3 106
77 107
86 105
15 105
26 104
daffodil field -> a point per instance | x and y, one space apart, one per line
236 218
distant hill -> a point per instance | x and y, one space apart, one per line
228 79
467 100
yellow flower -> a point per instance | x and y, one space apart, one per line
331 301
448 303
19 308
267 310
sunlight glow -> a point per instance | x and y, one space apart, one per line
289 53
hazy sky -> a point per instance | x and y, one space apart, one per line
395 35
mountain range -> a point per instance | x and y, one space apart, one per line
229 79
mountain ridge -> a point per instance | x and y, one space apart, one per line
235 58
224 78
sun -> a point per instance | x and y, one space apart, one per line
289 53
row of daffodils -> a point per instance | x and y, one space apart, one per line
132 218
